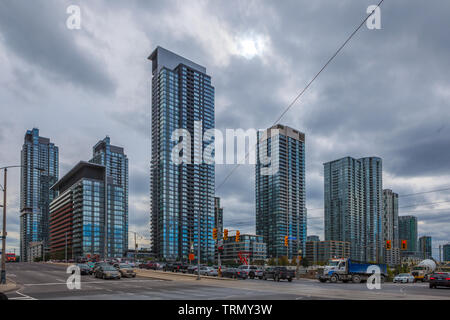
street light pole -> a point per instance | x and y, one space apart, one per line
3 272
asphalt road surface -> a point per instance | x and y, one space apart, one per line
48 282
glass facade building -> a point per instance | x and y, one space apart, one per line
39 160
353 205
116 163
79 212
425 247
390 226
408 231
280 192
182 195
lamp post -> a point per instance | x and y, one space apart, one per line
3 271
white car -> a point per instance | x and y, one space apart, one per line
208 271
403 278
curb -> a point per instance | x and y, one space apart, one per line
187 275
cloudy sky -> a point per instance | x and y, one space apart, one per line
387 94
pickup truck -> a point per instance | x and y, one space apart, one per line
346 270
278 273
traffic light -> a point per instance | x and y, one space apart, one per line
404 245
215 233
388 245
286 241
238 235
225 234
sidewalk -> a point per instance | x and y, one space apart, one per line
10 286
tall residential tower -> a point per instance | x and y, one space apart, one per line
39 160
280 193
182 195
353 205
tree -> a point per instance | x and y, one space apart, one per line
271 262
283 261
305 262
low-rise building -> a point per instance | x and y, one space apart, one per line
322 251
35 250
251 247
393 257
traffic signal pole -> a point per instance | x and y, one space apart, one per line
3 273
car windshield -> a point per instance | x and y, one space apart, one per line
124 266
333 263
403 274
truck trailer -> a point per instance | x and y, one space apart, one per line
346 270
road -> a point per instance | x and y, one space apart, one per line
39 281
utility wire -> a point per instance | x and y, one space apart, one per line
307 86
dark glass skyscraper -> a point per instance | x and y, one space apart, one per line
353 205
426 247
182 195
116 163
280 191
39 158
408 231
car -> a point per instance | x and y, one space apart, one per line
208 271
279 273
192 269
84 269
98 265
403 278
125 270
176 267
234 273
147 265
107 272
252 271
439 279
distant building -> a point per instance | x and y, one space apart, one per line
425 247
322 251
393 257
408 231
353 205
280 194
218 216
35 250
312 238
40 167
446 252
251 246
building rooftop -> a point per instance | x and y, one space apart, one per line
164 58
82 169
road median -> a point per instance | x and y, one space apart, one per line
171 275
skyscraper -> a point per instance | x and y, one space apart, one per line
116 163
353 205
182 195
407 226
218 215
446 252
39 160
425 247
280 197
390 227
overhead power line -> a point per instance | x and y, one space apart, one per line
307 86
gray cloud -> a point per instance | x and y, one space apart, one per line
386 94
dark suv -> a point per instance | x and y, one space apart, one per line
279 273
440 279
